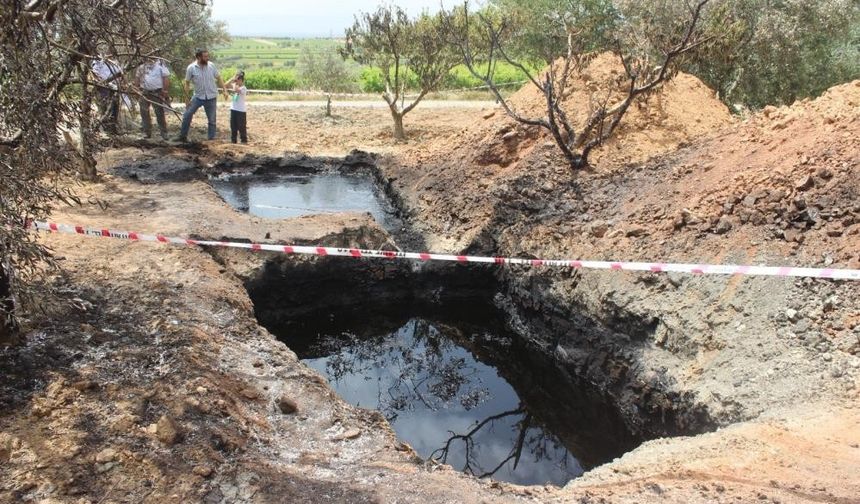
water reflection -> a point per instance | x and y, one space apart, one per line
280 197
442 400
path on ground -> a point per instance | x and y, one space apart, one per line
375 104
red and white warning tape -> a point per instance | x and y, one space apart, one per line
693 269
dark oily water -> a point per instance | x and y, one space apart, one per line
286 196
428 378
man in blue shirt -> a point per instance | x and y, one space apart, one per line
206 79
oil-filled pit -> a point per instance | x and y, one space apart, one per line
429 350
454 356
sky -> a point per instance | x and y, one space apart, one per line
301 18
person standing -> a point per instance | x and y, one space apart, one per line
153 79
239 108
108 74
204 76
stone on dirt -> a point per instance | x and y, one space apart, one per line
287 405
724 225
203 471
805 184
106 455
167 431
250 393
349 434
636 232
599 229
6 447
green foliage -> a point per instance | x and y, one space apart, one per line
538 29
505 75
266 78
252 53
781 51
409 53
371 80
327 72
204 34
762 52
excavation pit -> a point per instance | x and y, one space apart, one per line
428 349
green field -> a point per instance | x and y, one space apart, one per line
256 53
270 63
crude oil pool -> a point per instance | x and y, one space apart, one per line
452 379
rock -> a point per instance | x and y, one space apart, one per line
689 217
636 232
349 434
106 455
287 405
598 229
167 431
194 405
805 184
250 393
84 385
202 390
791 314
7 443
834 232
792 236
724 225
750 201
103 468
204 471
258 363
489 114
800 203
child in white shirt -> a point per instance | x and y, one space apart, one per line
239 108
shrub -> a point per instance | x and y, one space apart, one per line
270 79
371 81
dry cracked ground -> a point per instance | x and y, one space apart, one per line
150 380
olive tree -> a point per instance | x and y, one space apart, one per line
412 54
325 72
48 124
782 51
650 53
768 51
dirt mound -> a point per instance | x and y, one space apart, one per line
683 109
495 149
789 175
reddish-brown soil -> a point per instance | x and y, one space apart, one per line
163 339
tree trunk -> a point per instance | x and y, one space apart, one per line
328 106
87 162
399 132
8 328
